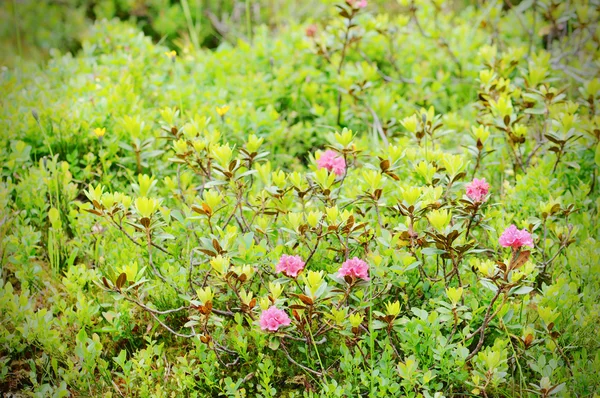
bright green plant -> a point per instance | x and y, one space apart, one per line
378 204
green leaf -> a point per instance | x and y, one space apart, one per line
430 251
489 285
521 290
420 313
274 343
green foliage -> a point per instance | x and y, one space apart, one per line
148 198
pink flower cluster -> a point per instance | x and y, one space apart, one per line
512 237
273 318
478 189
290 265
357 3
355 268
331 161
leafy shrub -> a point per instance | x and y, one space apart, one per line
367 205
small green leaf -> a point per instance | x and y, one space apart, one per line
274 343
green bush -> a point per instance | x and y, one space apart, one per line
304 214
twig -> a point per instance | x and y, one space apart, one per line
486 321
287 354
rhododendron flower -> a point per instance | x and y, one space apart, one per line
356 268
272 318
357 3
331 161
290 265
512 237
478 189
311 30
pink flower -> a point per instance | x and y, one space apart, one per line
311 30
357 4
290 265
512 237
331 161
273 318
478 189
355 268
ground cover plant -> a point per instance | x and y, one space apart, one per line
375 199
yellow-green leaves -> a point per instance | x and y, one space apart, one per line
427 114
550 208
488 54
190 131
279 178
246 297
547 314
537 74
519 130
439 219
481 133
213 199
373 179
146 206
130 270
486 267
313 218
313 281
95 194
123 199
408 368
264 172
426 170
395 153
180 147
592 88
223 154
145 184
108 200
220 265
339 316
345 138
392 308
324 178
54 218
298 181
332 214
410 123
244 272
275 289
486 76
454 294
133 126
503 107
169 114
205 295
295 220
356 319
198 144
411 194
454 164
431 194
254 143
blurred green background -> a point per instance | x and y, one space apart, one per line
30 29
